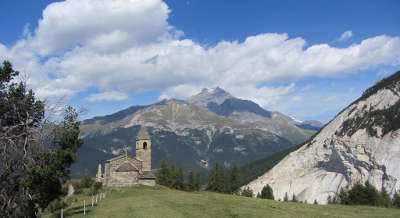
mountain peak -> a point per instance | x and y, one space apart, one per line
207 95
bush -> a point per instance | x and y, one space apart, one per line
94 189
267 193
56 205
247 192
365 195
87 182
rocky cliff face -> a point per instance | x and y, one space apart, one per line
362 143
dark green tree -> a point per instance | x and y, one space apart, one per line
286 197
234 179
179 179
197 181
171 176
163 174
267 193
396 200
384 199
191 182
294 198
35 155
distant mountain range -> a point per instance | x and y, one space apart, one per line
212 126
362 143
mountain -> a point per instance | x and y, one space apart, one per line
245 111
362 143
188 133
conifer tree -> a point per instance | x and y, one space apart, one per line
396 200
267 193
191 182
197 182
163 174
234 179
286 198
179 179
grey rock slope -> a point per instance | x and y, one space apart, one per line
362 143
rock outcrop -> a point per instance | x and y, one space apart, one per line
362 143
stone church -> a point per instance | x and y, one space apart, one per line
125 170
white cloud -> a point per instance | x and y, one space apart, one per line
346 35
107 96
114 45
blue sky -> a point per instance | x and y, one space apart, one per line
307 59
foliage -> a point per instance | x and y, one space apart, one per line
366 194
267 193
286 197
234 179
87 182
294 199
396 200
247 192
173 177
216 179
35 154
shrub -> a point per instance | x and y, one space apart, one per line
267 193
247 192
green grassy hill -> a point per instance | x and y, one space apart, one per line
163 202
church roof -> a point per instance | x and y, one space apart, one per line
126 167
143 134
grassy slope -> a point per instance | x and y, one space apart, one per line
162 202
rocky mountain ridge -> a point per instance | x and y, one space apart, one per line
188 133
362 143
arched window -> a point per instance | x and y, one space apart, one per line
144 145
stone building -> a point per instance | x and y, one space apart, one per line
124 170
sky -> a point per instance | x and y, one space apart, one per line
307 59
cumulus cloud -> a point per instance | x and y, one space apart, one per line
114 45
346 35
107 96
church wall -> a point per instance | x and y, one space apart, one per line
149 182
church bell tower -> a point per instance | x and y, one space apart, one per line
143 148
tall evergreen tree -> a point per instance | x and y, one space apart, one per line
396 200
163 174
234 179
179 179
171 176
267 193
197 182
191 183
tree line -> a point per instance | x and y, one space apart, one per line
174 177
365 194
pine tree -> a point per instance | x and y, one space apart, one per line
234 179
191 185
396 200
294 199
171 176
179 179
197 182
267 193
163 174
286 198
384 199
